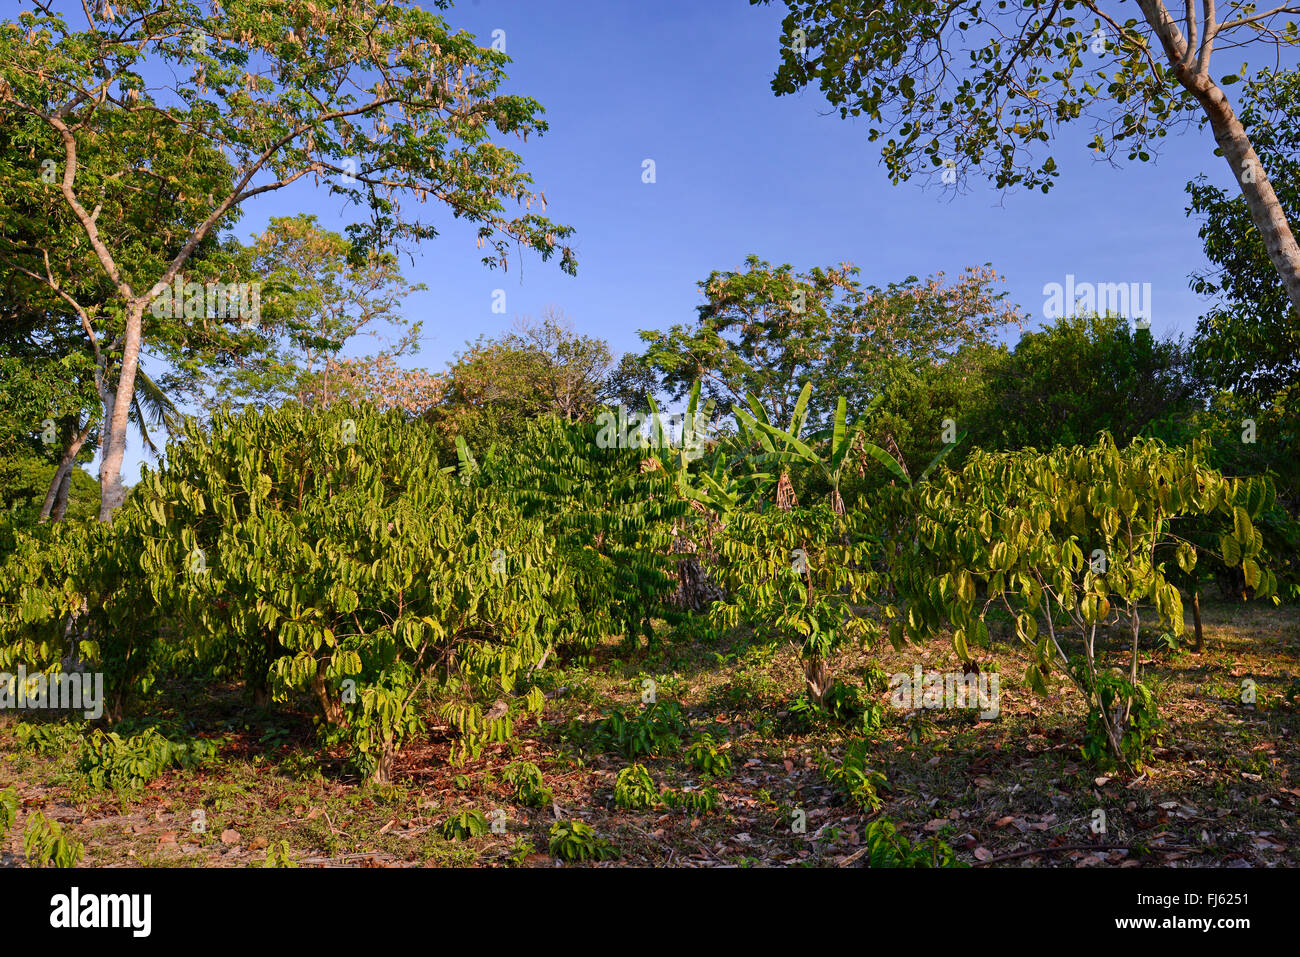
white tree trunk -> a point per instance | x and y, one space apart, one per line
117 416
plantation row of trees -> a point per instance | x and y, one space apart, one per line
395 548
329 556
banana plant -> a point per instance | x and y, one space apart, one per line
841 438
788 447
695 434
780 448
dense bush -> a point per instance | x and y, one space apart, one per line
326 553
1079 537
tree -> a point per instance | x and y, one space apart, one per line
1249 341
59 305
959 85
380 382
497 386
38 400
1069 543
381 96
319 295
573 369
768 331
1067 382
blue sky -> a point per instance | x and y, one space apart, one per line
741 171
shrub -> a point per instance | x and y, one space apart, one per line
108 760
323 553
277 855
8 810
693 802
888 848
575 841
465 824
852 777
44 738
705 756
529 788
843 705
655 729
1076 533
796 576
634 790
45 843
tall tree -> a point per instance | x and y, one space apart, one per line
379 97
1083 375
543 367
961 84
768 330
318 294
1249 341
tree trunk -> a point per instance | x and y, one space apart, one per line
112 493
383 773
62 478
818 678
1196 618
329 704
1261 200
61 500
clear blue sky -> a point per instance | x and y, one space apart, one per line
740 171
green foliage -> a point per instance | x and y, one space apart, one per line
982 87
321 553
278 855
497 386
852 777
1249 342
693 802
108 760
634 789
796 576
768 331
525 778
46 844
8 810
465 824
611 522
844 706
47 737
575 841
1075 533
706 757
888 848
1068 382
1131 711
655 729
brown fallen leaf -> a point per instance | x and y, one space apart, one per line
1004 821
258 843
167 837
983 854
937 824
230 836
